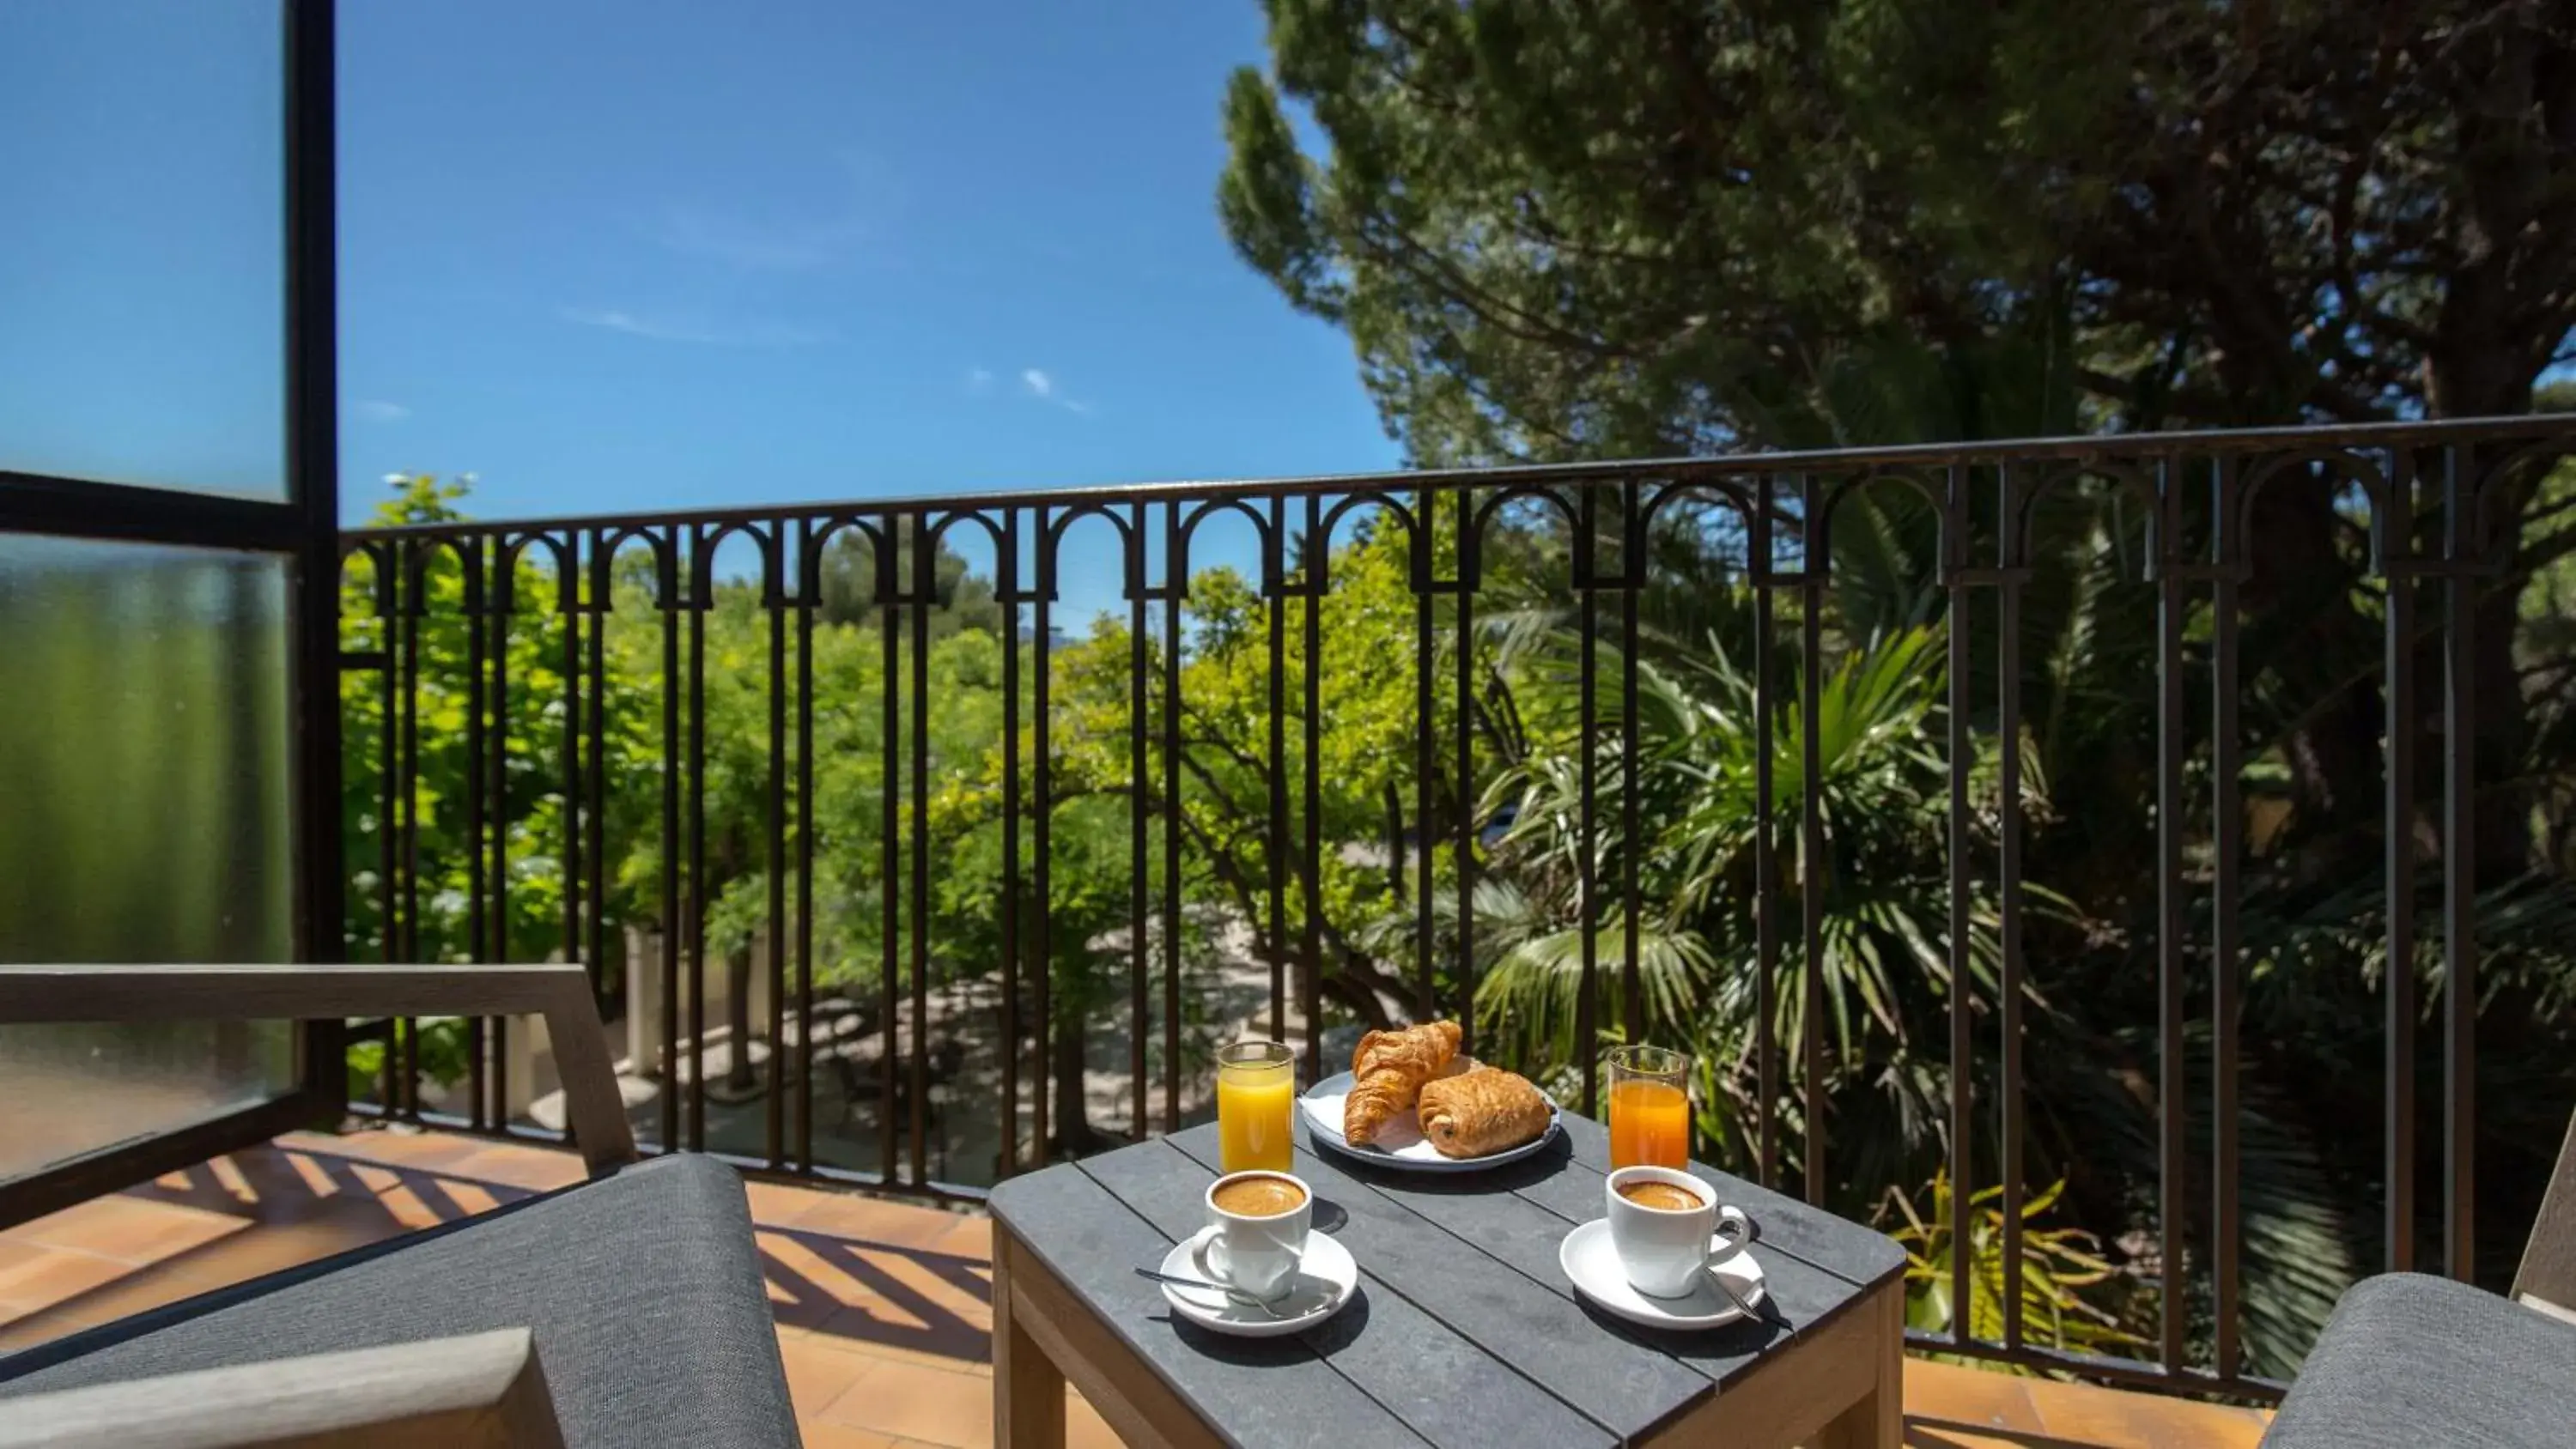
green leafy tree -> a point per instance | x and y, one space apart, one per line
530 808
1364 752
2058 1266
1638 228
1610 228
529 816
850 592
1575 232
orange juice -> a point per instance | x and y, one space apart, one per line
1256 1099
1649 1125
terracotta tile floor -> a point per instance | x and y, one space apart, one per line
883 1308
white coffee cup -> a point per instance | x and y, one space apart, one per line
1257 1253
1664 1250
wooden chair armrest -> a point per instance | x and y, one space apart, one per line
560 993
480 1389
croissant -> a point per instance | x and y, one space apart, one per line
1486 1110
1388 1071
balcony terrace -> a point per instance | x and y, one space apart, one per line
2003 825
882 1307
2115 894
2014 836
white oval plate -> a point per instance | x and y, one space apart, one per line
1591 1263
1328 1278
1400 1142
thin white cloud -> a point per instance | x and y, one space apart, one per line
755 244
375 410
790 239
754 333
1042 385
979 379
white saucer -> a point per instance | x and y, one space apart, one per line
1327 1279
1400 1142
1593 1264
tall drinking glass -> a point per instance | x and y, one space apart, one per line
1256 1092
1649 1107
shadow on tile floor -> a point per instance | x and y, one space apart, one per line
236 1218
894 1297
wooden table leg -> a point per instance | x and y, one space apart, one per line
1028 1387
1877 1420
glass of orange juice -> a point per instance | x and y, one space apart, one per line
1256 1092
1649 1107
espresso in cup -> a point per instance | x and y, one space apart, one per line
1258 1223
1258 1195
1656 1193
1667 1228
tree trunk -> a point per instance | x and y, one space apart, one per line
2299 610
1363 988
2300 614
2475 375
2502 729
2501 318
1073 1133
739 1077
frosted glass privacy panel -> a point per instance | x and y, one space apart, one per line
80 1089
144 816
142 266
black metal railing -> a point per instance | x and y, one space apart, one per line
1350 748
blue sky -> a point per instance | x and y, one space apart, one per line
140 254
612 255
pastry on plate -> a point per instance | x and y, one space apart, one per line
1478 1113
1387 1073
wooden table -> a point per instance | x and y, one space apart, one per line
1465 1333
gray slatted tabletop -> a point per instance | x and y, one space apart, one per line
1465 1334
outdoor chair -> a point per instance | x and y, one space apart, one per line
626 1310
2409 1361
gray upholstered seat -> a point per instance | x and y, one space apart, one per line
2410 1362
644 1292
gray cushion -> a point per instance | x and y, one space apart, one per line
2409 1362
644 1292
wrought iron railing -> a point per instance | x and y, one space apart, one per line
1544 637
